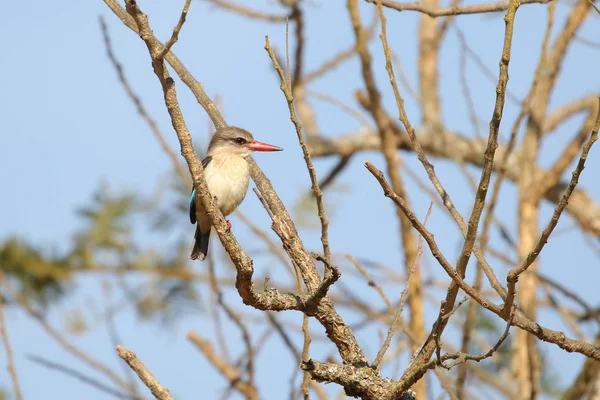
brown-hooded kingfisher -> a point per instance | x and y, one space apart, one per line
227 175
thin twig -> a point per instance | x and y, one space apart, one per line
404 79
471 231
446 384
236 319
429 167
588 42
335 171
81 377
595 6
464 84
568 317
514 273
288 68
249 13
438 327
492 144
295 352
285 88
298 16
114 335
462 357
413 374
176 30
568 293
372 283
397 316
344 107
187 78
564 112
271 244
158 391
459 10
12 371
65 343
139 105
340 57
525 109
229 372
485 70
388 138
305 349
332 274
568 154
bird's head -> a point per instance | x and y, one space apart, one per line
238 141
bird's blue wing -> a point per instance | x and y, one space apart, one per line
193 207
205 163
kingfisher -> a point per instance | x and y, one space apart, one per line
227 174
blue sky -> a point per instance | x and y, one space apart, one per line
66 125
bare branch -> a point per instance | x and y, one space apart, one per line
340 57
458 10
513 275
562 113
81 377
519 319
158 391
139 105
388 148
344 107
471 231
187 78
479 62
492 144
176 30
568 154
461 357
595 6
247 12
357 382
398 313
230 372
589 373
65 343
236 319
372 283
305 350
286 89
434 143
12 371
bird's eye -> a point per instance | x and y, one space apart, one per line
240 140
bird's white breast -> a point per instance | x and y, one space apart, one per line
227 177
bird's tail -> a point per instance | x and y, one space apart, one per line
200 248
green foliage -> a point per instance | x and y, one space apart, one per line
108 227
40 277
106 242
43 277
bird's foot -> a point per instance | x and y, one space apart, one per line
228 224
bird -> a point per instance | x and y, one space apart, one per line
227 174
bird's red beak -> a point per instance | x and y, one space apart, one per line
260 146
